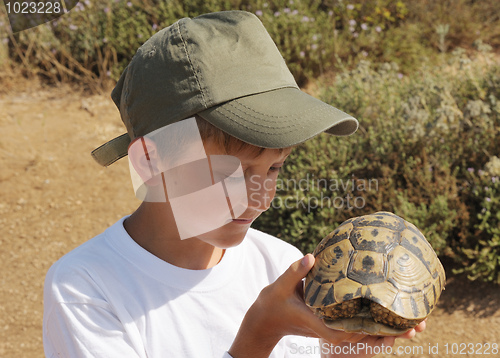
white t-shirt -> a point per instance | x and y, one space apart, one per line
112 298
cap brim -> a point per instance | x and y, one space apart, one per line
280 118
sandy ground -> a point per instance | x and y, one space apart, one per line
54 197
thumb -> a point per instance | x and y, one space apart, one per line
296 272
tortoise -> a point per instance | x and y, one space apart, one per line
375 274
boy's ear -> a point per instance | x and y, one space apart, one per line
144 157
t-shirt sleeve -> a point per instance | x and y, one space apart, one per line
82 330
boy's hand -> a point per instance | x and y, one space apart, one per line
411 333
280 310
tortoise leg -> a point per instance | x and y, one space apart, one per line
383 315
341 310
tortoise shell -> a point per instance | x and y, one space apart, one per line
375 274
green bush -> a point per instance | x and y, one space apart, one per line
428 139
484 253
420 138
97 39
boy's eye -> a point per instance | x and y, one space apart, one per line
275 168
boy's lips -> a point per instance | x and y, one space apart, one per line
242 221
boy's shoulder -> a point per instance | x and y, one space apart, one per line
87 257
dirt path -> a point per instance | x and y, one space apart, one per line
53 197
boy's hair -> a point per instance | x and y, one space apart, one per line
231 145
171 142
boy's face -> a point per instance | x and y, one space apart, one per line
260 175
213 196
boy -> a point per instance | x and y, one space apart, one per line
184 275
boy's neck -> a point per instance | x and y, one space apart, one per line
153 228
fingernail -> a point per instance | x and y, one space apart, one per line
306 260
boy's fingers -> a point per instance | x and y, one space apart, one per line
296 272
389 341
408 335
417 329
291 279
421 326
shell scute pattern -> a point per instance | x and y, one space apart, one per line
367 266
338 235
378 258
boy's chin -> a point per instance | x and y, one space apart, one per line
228 245
224 237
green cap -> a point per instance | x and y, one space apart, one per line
224 67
